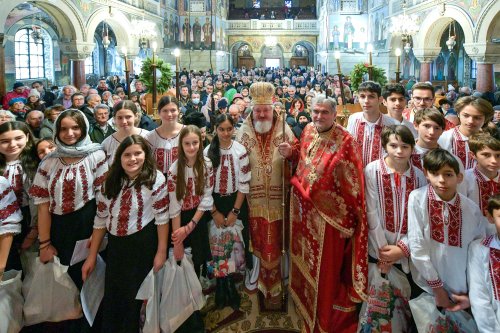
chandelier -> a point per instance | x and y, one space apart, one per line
105 35
404 25
451 42
271 41
36 34
143 30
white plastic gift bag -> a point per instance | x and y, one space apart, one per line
227 248
387 308
430 320
50 294
150 293
11 302
181 294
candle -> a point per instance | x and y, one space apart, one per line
398 59
369 48
124 51
337 57
155 45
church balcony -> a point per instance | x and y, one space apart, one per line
276 26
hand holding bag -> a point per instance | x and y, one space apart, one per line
150 293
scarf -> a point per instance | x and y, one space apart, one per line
82 148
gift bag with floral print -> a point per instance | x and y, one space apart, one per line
228 250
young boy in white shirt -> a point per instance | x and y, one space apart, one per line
441 225
474 113
395 102
484 274
366 127
483 181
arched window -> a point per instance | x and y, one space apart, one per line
92 61
30 50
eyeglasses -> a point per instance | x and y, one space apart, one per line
420 99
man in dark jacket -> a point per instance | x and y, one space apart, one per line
101 129
45 95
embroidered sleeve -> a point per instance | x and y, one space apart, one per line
244 174
100 170
419 240
160 200
376 234
403 245
10 214
480 296
174 205
102 214
39 191
207 200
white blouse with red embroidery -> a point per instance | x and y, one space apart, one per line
484 283
457 144
110 144
387 196
133 209
368 135
68 187
191 200
439 234
479 188
165 150
10 214
233 173
19 181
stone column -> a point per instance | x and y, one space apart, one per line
78 73
425 71
3 90
485 80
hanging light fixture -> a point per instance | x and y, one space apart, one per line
451 42
105 35
36 34
406 26
144 31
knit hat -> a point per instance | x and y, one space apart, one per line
34 92
17 85
303 114
17 99
195 118
222 103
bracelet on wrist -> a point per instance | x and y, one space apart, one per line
213 212
45 241
235 211
44 247
195 223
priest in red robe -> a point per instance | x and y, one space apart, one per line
328 227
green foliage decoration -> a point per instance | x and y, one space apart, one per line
163 82
360 70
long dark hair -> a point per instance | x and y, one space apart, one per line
117 176
28 164
214 150
198 167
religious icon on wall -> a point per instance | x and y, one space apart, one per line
197 33
186 31
207 33
348 32
336 37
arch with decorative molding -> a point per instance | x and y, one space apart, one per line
488 24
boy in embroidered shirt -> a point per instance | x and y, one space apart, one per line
475 114
483 272
366 127
389 182
395 101
441 225
482 181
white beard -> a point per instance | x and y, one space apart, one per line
262 127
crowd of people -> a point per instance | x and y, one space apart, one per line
409 188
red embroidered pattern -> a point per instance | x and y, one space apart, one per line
391 207
487 188
245 169
172 179
100 164
416 161
223 175
8 211
233 173
495 271
101 206
123 215
39 192
4 193
52 191
165 158
435 283
371 149
85 183
404 247
460 149
160 159
140 209
438 224
190 199
68 192
16 182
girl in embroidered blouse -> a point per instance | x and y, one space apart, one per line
232 176
164 140
64 189
126 117
18 167
133 210
475 115
190 184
